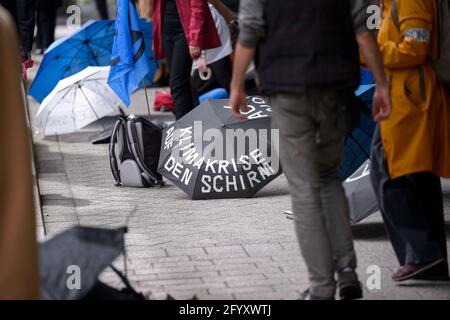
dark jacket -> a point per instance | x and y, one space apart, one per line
304 45
310 45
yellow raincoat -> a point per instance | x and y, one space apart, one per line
416 137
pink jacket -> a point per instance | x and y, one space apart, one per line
198 25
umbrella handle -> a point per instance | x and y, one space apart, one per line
204 71
205 75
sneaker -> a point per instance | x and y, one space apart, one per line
409 271
306 295
349 286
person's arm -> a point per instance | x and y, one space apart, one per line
224 11
19 276
252 30
370 52
415 28
381 101
199 9
415 25
238 98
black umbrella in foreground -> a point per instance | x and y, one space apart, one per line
210 154
71 262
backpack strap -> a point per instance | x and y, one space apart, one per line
112 151
394 14
135 150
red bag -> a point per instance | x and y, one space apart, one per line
163 101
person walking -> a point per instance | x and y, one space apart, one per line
306 85
412 148
181 30
46 24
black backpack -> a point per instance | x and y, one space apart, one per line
134 152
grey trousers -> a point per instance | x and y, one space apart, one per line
310 152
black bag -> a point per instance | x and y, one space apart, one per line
134 152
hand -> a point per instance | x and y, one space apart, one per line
238 99
382 105
195 52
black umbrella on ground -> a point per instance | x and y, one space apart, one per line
210 154
81 252
360 194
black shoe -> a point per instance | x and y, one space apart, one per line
350 291
349 285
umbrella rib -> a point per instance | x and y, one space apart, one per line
89 103
56 105
73 106
69 48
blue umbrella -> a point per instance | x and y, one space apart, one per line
357 144
90 46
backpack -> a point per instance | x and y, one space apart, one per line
442 64
134 152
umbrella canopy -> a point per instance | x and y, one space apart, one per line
76 102
89 250
361 197
90 46
210 154
357 145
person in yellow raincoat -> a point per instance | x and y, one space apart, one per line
411 149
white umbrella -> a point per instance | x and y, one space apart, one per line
76 102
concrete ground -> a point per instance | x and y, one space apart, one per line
215 249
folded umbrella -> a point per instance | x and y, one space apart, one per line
76 102
210 154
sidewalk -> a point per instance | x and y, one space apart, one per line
215 249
